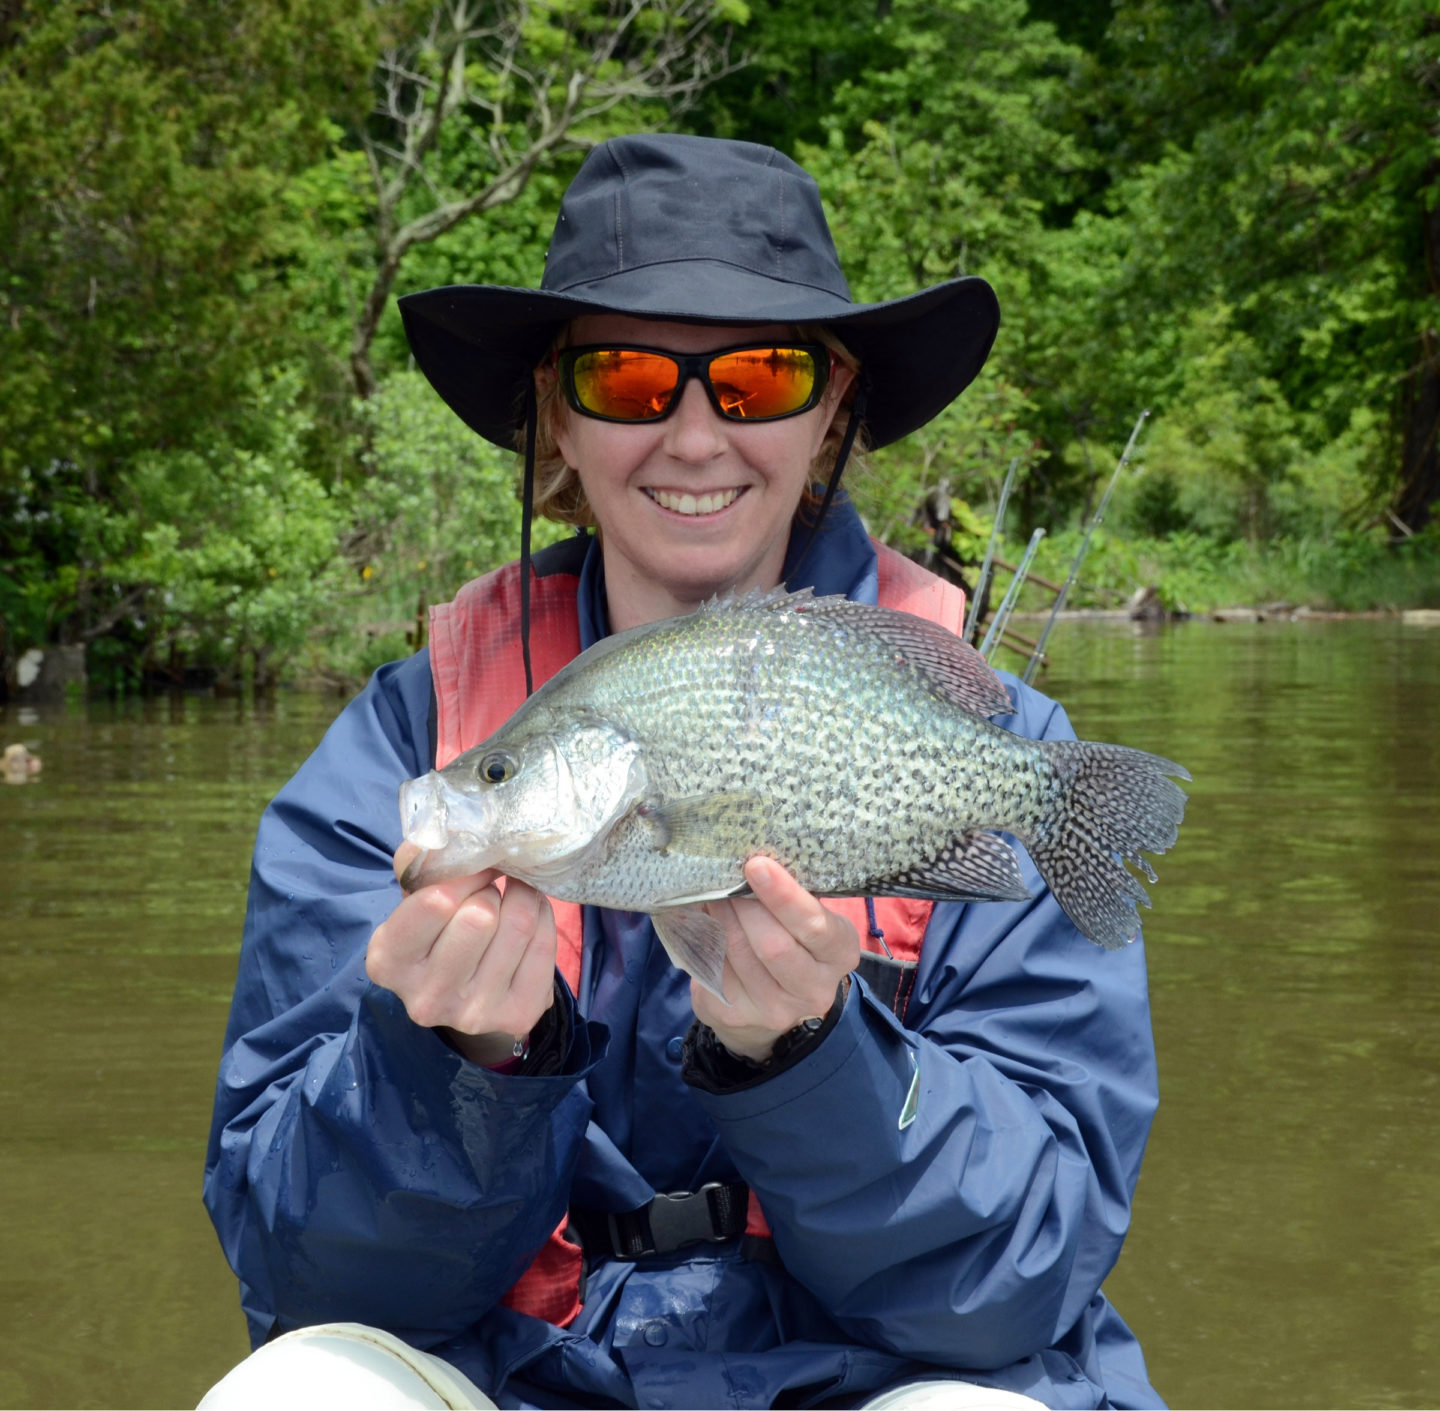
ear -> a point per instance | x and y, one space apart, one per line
839 384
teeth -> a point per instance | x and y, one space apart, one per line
694 504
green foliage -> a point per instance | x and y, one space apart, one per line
967 449
143 254
507 246
438 505
1222 213
943 157
1230 439
144 240
800 52
1275 162
227 551
1353 571
435 507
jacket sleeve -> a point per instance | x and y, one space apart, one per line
976 1232
358 1168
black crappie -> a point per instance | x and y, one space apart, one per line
849 742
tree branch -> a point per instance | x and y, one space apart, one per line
526 86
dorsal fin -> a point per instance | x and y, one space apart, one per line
778 599
952 669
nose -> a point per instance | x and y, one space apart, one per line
694 433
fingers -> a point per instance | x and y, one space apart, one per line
792 941
786 957
461 955
513 982
801 915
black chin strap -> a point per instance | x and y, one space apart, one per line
527 513
847 444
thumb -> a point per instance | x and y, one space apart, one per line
405 854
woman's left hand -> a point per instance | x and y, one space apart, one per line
785 958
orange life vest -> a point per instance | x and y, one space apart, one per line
478 669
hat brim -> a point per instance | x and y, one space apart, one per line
478 343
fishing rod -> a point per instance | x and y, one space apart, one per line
1033 665
997 623
982 584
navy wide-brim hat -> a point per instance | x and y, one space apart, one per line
697 230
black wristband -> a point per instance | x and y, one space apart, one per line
549 1040
711 1067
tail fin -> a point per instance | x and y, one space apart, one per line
1113 801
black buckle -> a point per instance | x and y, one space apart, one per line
686 1217
673 1221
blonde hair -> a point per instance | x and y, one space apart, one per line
560 496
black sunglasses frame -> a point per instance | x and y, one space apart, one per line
695 365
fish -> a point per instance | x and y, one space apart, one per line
852 743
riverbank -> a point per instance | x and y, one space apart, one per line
1177 579
1189 575
1270 612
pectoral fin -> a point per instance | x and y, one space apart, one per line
707 825
696 943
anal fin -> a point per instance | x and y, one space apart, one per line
695 941
975 867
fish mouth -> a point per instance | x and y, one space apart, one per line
424 817
460 856
692 505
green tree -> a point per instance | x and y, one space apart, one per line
472 98
1279 161
948 158
144 256
798 53
438 504
226 548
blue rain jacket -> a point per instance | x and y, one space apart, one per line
360 1170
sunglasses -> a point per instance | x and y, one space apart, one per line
755 382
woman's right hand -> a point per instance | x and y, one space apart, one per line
468 960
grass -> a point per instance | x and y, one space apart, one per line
1351 573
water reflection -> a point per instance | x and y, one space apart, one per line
1285 1250
124 880
1285 1244
19 765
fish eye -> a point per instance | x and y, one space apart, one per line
495 768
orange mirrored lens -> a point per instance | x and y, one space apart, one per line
625 383
633 384
763 382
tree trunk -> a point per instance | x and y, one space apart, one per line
369 321
1419 488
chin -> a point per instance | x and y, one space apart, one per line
698 580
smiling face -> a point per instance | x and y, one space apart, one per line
692 505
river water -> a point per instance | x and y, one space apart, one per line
1286 1242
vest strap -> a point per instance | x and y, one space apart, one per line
890 980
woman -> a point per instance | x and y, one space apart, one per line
857 1179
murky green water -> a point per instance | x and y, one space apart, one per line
1286 1249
